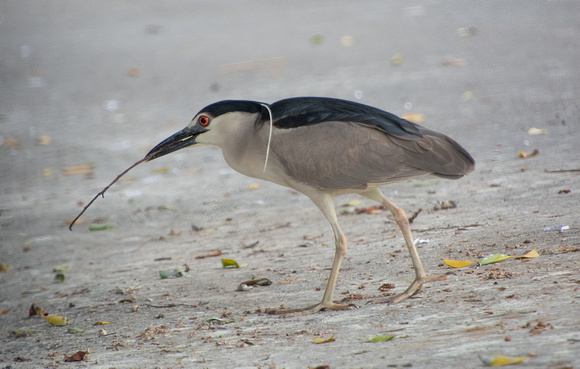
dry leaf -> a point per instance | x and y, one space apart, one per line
12 143
537 131
44 140
455 62
370 209
72 170
134 72
209 254
323 340
4 268
55 319
525 155
530 254
77 356
457 263
36 310
254 186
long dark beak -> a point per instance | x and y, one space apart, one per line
185 137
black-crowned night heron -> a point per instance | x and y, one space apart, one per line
324 148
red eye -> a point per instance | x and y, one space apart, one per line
203 120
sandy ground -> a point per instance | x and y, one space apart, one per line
97 84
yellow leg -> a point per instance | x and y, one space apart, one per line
403 223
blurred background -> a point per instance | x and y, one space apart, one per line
87 88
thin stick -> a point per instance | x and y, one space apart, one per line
561 170
102 193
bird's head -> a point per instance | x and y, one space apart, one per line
213 125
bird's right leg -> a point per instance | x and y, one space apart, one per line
403 223
325 203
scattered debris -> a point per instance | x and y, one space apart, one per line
525 155
444 205
386 287
497 273
4 268
556 228
175 273
412 218
247 285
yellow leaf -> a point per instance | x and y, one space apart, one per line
500 360
254 186
347 41
414 117
353 202
103 323
161 170
55 319
457 263
529 254
323 340
398 59
44 140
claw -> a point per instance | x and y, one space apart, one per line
412 290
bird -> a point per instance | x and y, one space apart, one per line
326 147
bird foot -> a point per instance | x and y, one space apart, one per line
413 289
308 310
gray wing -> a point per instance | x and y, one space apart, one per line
341 155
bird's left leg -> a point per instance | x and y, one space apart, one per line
325 203
420 274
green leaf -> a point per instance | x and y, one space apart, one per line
59 278
61 268
231 263
380 338
100 227
22 332
494 258
175 273
75 330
